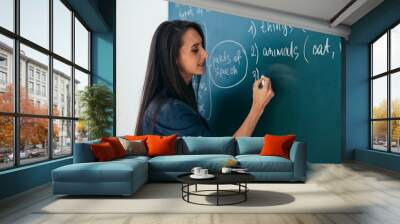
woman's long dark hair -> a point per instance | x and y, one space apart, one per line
163 79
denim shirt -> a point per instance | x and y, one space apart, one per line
174 117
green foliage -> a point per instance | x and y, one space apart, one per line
97 104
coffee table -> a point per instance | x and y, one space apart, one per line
238 179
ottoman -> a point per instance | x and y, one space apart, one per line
118 177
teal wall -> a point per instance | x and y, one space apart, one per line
380 159
103 62
24 178
357 84
103 54
99 15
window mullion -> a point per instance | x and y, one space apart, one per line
73 82
389 113
370 97
16 83
50 87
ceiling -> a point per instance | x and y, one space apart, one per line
327 16
321 9
98 15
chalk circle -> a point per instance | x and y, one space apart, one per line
230 46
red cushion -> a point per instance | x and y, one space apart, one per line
277 145
103 151
161 145
116 145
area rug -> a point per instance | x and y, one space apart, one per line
167 198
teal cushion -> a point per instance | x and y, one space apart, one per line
111 171
133 158
249 145
83 152
185 163
208 145
257 163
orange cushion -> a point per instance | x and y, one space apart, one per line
135 137
116 145
161 145
103 151
277 145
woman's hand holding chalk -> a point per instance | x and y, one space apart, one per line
262 92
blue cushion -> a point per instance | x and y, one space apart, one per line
257 163
185 163
249 145
208 145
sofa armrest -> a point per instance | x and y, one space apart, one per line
298 155
83 152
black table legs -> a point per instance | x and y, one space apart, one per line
217 194
220 193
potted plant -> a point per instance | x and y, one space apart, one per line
96 102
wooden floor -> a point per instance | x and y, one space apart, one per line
377 188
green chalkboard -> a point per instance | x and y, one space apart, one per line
304 66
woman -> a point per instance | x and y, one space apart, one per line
168 104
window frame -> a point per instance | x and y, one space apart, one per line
16 115
388 74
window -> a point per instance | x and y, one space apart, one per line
3 78
3 61
55 126
81 81
7 142
55 102
30 87
62 29
3 82
37 75
44 91
7 14
33 149
81 45
385 91
62 75
30 72
37 89
62 140
34 21
3 72
6 71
